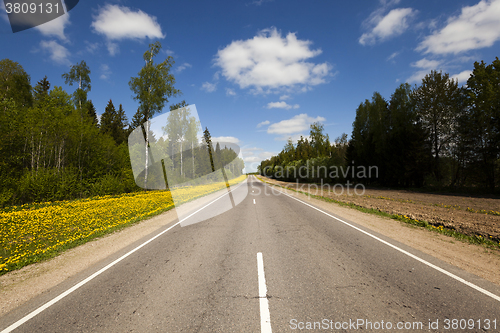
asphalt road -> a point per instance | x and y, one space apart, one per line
314 270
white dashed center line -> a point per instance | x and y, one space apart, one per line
265 316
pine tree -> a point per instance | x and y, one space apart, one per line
208 141
120 134
91 113
108 120
42 88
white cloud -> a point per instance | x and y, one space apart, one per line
251 159
259 2
297 124
105 72
284 97
230 92
117 23
392 56
169 52
227 139
182 67
269 60
55 27
424 67
384 27
426 64
476 27
209 87
294 137
281 105
462 77
264 123
91 47
58 53
266 154
112 48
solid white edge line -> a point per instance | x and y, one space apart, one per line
265 316
484 291
91 277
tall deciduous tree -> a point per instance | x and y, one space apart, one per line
15 83
153 86
436 101
480 130
79 73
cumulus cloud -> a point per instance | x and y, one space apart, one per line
58 53
258 2
251 159
264 123
269 61
476 27
424 67
222 139
230 92
91 47
55 27
392 56
209 87
296 124
117 23
383 27
284 97
182 67
105 72
281 105
462 77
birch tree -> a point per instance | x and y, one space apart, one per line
153 86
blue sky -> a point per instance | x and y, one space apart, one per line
262 71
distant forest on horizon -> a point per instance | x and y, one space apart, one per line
437 134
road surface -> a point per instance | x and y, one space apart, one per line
273 263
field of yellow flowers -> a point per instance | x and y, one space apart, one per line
30 233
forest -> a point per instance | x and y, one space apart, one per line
54 147
436 134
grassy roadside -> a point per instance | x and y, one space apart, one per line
403 218
36 232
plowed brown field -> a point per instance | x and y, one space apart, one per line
470 215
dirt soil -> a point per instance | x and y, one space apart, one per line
470 215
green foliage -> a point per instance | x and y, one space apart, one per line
108 119
90 112
50 150
154 85
479 126
15 84
79 73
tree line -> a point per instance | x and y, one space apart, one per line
182 154
52 144
436 134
